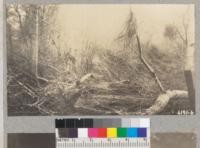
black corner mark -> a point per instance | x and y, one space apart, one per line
60 123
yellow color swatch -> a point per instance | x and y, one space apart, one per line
111 132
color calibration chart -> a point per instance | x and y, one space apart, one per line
103 133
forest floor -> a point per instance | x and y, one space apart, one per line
103 98
131 93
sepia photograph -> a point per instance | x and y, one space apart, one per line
100 59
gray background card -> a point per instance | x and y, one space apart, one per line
42 124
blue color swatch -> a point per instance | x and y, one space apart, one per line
142 132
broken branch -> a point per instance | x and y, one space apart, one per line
151 70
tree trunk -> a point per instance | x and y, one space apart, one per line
8 34
35 48
163 99
9 38
147 65
188 71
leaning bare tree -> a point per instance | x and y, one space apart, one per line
130 34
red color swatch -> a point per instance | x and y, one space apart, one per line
102 132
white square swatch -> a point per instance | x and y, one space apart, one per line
82 132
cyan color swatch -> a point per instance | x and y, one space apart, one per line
132 132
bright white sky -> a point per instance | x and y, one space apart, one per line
102 23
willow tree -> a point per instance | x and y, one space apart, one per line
130 35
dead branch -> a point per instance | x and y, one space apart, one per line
86 77
99 111
9 79
50 66
19 17
72 87
180 35
17 94
49 112
28 90
89 109
41 78
42 101
38 102
162 101
38 105
151 70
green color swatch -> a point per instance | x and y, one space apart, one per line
121 132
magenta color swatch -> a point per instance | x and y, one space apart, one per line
93 132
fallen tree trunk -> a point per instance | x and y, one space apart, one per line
114 98
105 94
163 99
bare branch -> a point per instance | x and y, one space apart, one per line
28 90
151 70
41 78
19 17
180 35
